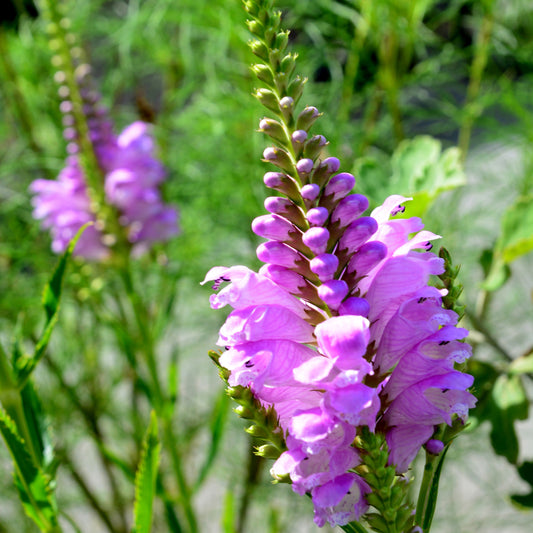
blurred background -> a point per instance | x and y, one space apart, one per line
427 98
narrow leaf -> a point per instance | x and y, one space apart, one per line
32 484
145 479
228 513
50 300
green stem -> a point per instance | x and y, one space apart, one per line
481 54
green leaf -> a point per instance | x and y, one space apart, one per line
509 403
32 484
517 230
524 501
417 169
145 479
522 365
354 527
228 513
50 300
217 425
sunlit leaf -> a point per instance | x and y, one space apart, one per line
32 484
522 365
517 230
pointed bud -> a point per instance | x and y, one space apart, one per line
295 88
255 27
264 73
324 266
278 157
333 292
259 49
268 451
307 118
269 99
288 63
273 129
313 147
256 431
282 38
244 412
286 105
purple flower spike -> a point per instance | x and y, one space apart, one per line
324 266
316 239
317 216
333 292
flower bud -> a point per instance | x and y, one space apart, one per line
304 167
282 183
357 233
264 73
317 216
282 206
349 208
434 446
324 170
333 292
255 27
367 257
268 98
316 239
278 253
273 227
259 49
307 118
286 105
354 306
282 38
310 192
268 451
284 277
324 266
296 87
288 63
339 186
279 157
273 129
314 146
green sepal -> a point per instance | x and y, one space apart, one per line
145 479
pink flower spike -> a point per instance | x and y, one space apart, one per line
333 292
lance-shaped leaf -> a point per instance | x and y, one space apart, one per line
145 479
50 300
33 485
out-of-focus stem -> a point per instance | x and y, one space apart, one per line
481 54
255 466
92 422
